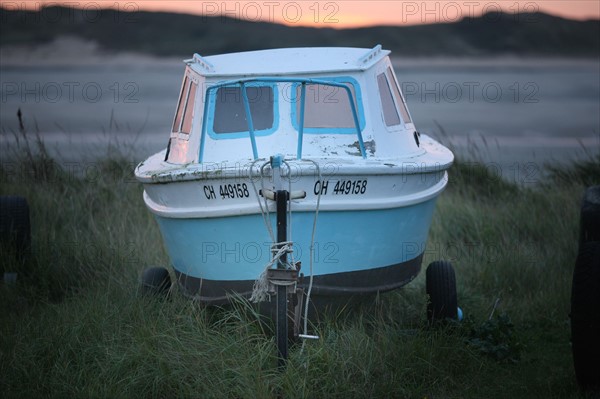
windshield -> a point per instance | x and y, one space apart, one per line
230 115
250 108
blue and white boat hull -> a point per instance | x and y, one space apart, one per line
355 252
371 232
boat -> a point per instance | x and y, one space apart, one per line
327 127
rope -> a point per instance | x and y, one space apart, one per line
265 215
261 285
312 251
278 249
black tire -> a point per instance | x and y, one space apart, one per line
441 291
156 281
590 215
15 226
585 316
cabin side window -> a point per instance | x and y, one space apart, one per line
185 108
390 113
230 113
400 103
392 103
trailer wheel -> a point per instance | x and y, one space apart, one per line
15 227
585 316
156 281
441 291
590 215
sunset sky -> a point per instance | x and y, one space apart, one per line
338 14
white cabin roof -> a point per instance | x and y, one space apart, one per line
304 60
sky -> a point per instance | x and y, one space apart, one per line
337 14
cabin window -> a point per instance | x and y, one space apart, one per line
398 97
181 105
391 99
390 113
327 108
185 108
230 113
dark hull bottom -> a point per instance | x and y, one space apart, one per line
334 287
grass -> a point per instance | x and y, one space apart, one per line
75 325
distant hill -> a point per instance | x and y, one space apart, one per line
169 34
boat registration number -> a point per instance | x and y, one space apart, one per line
227 191
341 187
240 190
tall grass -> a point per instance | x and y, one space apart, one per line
75 325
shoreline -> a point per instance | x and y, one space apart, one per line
67 51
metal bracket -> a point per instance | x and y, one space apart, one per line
270 194
282 277
370 55
201 61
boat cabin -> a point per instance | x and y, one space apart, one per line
299 102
